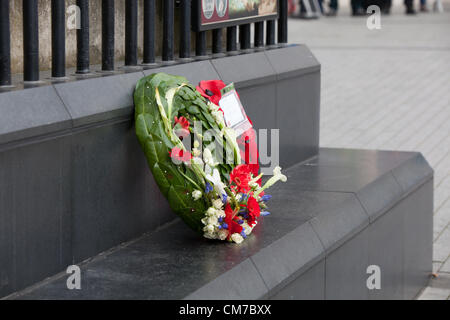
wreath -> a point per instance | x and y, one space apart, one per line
209 175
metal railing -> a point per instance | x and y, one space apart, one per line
58 31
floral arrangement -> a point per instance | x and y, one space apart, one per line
214 185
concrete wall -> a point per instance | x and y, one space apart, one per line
95 13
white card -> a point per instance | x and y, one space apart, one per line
234 113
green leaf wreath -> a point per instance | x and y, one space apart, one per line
196 181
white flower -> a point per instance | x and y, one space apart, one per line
238 197
236 237
213 221
196 144
196 194
277 173
219 186
223 234
220 214
207 169
218 116
218 204
209 229
211 211
247 228
208 158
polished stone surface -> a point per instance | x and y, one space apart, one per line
318 238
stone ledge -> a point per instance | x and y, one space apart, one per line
310 221
56 108
31 112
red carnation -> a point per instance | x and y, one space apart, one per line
180 155
253 210
233 226
183 122
241 176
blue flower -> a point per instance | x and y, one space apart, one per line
225 226
265 213
224 198
220 219
243 234
208 188
241 221
266 197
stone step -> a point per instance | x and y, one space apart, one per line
338 214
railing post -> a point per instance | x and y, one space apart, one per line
270 33
244 36
30 40
108 23
58 39
259 34
5 45
200 45
131 16
232 40
217 41
83 38
149 32
283 22
185 29
168 30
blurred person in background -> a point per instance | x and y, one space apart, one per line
333 8
423 6
384 5
357 8
409 7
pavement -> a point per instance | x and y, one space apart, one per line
389 89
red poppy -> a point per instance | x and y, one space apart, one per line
253 210
183 122
233 226
180 155
241 176
210 89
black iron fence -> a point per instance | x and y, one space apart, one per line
31 36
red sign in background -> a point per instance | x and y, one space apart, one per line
212 17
